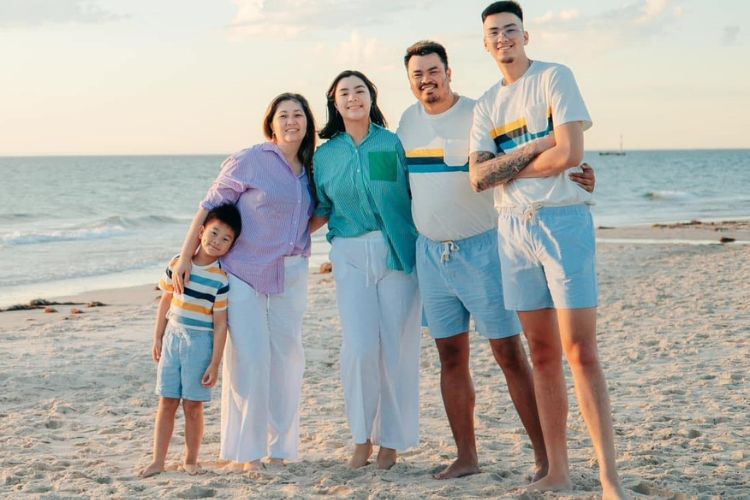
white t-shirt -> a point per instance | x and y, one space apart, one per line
507 117
437 152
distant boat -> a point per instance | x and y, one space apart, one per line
621 152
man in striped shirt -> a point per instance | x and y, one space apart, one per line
189 337
457 260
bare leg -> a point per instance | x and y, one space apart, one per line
193 411
386 458
511 357
578 335
361 455
162 435
540 328
458 397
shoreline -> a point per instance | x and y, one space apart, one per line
689 233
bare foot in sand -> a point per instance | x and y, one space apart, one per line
254 466
192 469
458 469
614 492
550 484
276 463
153 469
386 458
234 467
540 470
361 455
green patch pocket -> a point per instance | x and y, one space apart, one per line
382 165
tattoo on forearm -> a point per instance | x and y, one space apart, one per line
491 170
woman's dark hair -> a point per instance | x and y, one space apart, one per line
335 123
307 147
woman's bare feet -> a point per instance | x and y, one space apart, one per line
254 466
361 455
276 463
458 469
234 467
386 458
153 469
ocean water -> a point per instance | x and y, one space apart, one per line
69 224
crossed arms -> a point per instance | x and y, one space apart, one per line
542 158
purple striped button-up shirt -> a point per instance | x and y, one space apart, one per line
275 205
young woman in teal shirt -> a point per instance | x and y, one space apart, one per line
363 193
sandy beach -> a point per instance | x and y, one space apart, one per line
77 401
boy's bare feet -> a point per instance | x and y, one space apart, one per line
361 455
153 469
458 469
193 469
386 458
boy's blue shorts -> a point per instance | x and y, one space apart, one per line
185 356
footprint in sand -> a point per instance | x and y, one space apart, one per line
196 492
53 424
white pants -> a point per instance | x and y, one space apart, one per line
263 366
380 319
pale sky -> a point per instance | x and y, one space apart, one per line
195 76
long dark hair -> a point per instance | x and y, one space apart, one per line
307 147
335 123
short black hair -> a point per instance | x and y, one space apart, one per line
229 215
424 48
499 7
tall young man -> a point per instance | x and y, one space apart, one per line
457 262
545 233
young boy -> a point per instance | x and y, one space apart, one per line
189 337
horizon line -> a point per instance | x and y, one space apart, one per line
104 155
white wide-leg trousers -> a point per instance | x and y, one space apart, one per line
380 318
263 367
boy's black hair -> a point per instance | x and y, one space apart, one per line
229 215
499 7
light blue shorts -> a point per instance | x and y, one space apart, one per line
185 356
548 258
462 278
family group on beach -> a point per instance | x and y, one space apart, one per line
471 209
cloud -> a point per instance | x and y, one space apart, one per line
29 13
730 35
637 20
292 17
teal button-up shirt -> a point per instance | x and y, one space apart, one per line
366 188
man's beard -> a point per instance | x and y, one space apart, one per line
507 59
432 98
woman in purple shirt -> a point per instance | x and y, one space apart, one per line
271 185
